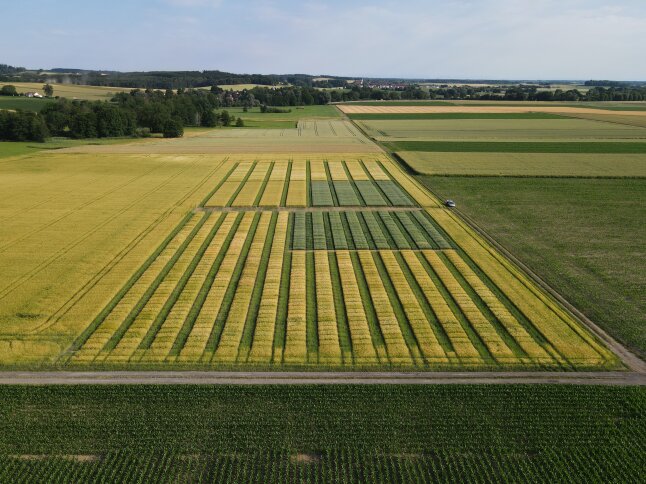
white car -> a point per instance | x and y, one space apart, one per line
449 203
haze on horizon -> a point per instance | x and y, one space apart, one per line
469 39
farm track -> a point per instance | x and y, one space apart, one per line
317 378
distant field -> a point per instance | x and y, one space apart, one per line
413 116
310 136
71 91
614 118
11 148
421 106
242 87
255 119
584 237
319 434
526 164
519 146
24 103
499 130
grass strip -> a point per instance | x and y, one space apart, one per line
242 184
484 309
438 329
254 305
218 326
220 183
376 335
345 340
283 296
400 314
179 287
256 202
127 322
474 337
96 322
187 327
311 309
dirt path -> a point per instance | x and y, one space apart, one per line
317 378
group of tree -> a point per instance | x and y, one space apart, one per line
10 90
22 126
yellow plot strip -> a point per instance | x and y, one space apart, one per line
337 172
460 341
398 352
274 190
426 339
130 341
297 194
492 340
518 332
411 186
317 171
197 340
252 186
363 350
356 171
296 332
168 333
221 197
104 332
328 333
229 344
263 338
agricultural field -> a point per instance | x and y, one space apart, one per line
565 129
253 118
307 136
260 259
71 91
585 237
526 164
25 103
396 433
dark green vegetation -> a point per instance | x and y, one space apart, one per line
366 230
398 116
585 237
24 103
518 146
323 434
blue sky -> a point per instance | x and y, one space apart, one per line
494 39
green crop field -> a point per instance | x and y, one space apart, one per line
24 103
563 129
526 164
357 433
253 118
584 237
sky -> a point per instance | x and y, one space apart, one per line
465 39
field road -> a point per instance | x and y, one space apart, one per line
316 378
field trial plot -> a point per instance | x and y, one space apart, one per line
412 287
263 259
